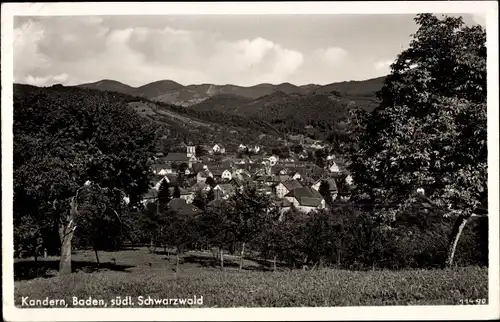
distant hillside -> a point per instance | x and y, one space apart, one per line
173 122
365 88
222 103
111 86
171 92
157 88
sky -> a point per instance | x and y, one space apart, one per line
218 49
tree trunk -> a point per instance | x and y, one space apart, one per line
241 255
66 231
221 258
66 236
454 237
45 253
96 256
274 263
177 262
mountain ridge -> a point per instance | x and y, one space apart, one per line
169 91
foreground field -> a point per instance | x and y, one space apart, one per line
137 273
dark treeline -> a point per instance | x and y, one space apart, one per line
342 236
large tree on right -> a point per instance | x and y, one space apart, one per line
429 132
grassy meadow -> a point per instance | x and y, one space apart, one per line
140 273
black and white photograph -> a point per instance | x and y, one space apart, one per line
341 158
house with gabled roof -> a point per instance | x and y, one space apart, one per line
161 169
283 188
176 157
157 180
333 167
218 148
296 175
306 199
332 185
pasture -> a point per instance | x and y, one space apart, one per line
137 273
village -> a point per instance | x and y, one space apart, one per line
292 181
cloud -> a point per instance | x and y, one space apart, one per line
334 55
73 50
383 65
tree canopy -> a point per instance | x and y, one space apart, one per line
429 131
67 137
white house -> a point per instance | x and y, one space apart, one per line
158 184
273 160
164 172
285 187
242 147
255 149
317 145
296 176
162 169
226 175
217 148
333 167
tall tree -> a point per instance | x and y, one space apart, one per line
177 192
164 196
429 131
211 182
324 190
248 213
65 137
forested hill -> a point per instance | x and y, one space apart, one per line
169 91
173 122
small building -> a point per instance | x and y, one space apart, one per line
176 157
226 175
161 169
272 160
331 184
306 199
333 167
187 195
218 148
296 175
283 188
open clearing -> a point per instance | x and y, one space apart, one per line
139 273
